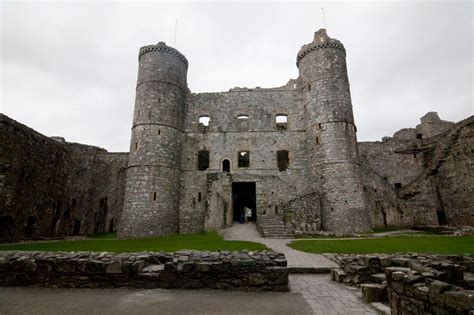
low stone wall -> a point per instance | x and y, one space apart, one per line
357 269
244 270
411 283
410 292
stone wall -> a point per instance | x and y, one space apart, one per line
303 214
410 292
50 187
259 271
421 176
411 283
357 269
224 137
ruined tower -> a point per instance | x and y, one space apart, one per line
331 134
151 203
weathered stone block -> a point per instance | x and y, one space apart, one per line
338 275
114 267
373 293
461 301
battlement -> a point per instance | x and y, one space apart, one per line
163 48
321 40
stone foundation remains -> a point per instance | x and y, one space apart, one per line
411 283
244 270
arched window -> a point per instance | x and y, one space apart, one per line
226 166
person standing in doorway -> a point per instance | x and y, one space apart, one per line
248 214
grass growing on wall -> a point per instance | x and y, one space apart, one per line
103 242
417 244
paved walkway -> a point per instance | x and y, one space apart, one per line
18 300
323 295
328 297
295 258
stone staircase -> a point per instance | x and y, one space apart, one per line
273 226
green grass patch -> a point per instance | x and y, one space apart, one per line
397 244
386 229
104 236
211 241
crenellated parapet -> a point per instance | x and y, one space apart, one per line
161 47
321 41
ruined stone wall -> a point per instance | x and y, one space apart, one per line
226 135
417 180
256 271
49 187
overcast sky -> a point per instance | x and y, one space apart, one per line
69 68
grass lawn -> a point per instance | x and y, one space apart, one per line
107 242
417 244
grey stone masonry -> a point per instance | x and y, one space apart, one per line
299 140
153 175
244 270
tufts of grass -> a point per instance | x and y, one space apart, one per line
211 241
398 244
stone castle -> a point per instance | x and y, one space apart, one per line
289 154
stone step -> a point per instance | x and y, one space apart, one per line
278 234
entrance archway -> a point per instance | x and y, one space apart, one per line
243 195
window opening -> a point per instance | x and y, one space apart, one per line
204 120
226 166
283 160
203 160
244 159
281 121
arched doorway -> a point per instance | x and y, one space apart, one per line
226 166
243 195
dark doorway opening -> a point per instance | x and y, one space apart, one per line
441 217
7 228
243 195
30 227
226 166
111 225
77 227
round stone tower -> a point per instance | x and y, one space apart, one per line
153 175
331 135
